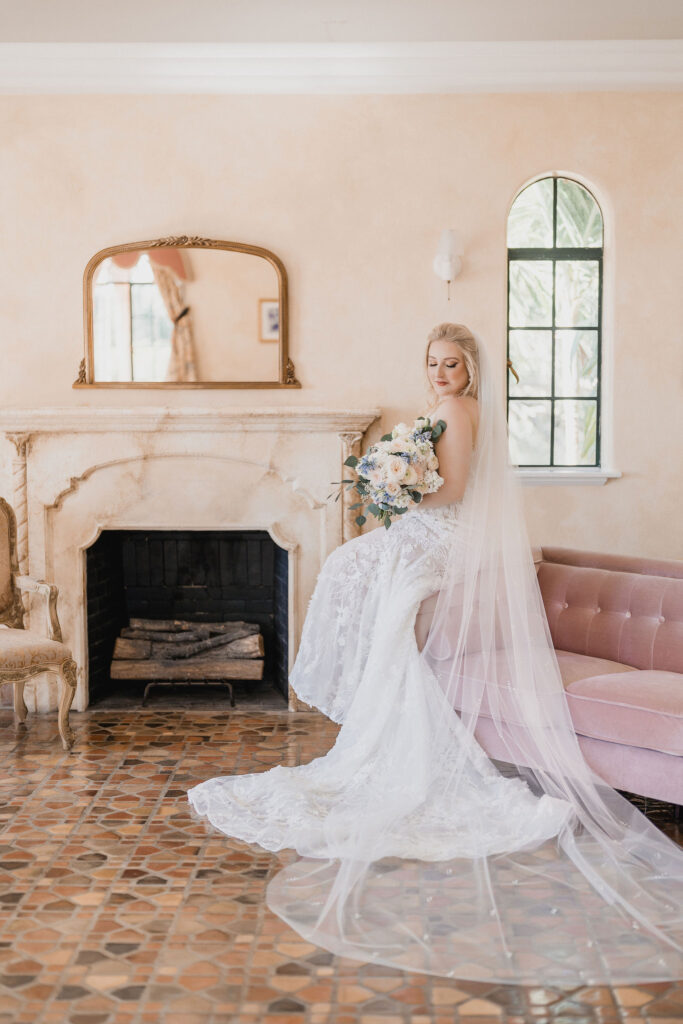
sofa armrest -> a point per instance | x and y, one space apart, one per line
49 592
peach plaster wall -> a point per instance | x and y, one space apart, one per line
351 192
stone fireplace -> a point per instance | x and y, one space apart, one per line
85 476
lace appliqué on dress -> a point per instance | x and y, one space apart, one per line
358 662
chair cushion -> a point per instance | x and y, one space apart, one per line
641 709
22 649
580 666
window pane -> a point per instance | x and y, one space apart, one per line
151 333
576 293
579 222
529 429
531 355
530 223
576 362
531 293
575 432
111 332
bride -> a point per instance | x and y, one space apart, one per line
428 643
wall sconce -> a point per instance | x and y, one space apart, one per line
448 259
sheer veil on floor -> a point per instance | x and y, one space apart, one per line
416 851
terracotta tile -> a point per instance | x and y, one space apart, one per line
120 908
632 997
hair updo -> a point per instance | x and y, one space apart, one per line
467 344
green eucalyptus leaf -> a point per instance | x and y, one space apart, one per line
360 520
352 460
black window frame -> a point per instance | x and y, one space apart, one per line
557 254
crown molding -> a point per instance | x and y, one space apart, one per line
338 68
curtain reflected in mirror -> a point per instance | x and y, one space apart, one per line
204 314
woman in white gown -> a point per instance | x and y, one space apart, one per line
416 849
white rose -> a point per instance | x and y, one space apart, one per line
400 428
392 488
411 476
395 469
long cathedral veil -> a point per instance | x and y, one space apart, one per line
581 888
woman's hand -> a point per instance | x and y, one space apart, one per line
454 452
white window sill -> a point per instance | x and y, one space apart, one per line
540 477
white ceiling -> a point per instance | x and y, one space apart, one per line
340 21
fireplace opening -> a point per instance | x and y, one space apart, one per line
196 577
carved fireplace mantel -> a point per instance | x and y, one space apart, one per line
75 472
156 418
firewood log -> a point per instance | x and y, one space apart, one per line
132 650
225 642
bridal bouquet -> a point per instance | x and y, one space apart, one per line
394 474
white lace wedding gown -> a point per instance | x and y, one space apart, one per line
358 662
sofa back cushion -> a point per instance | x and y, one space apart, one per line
629 617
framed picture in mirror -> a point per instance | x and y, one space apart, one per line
269 320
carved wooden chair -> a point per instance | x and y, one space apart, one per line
24 653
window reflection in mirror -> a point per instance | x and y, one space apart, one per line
169 314
131 323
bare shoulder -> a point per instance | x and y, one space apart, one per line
456 409
458 406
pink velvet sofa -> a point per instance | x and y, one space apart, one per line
617 627
616 624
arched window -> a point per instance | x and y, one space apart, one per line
555 239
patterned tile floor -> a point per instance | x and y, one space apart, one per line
117 907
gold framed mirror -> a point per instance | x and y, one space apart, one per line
185 312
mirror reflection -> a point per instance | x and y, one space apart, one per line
169 314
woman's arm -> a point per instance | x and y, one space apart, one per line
454 452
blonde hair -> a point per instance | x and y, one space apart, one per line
467 344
